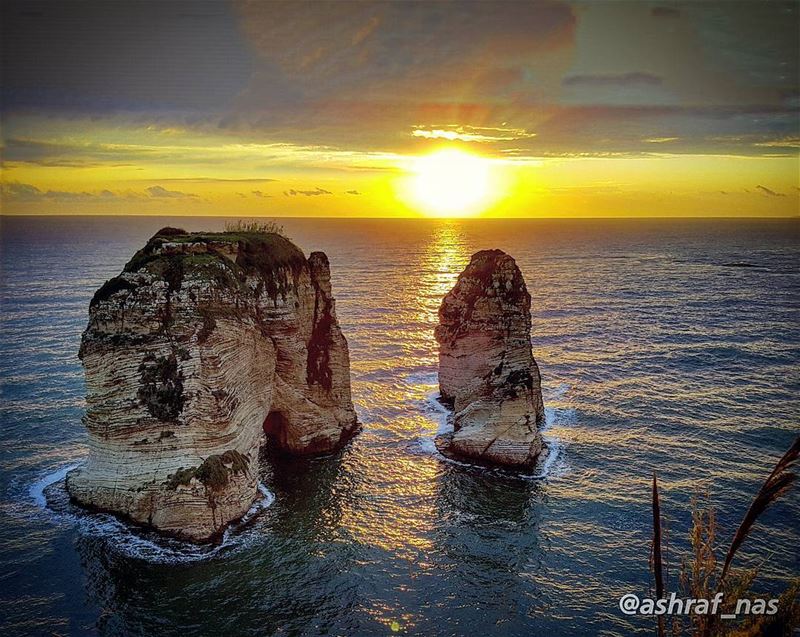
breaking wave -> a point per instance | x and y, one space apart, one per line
49 494
551 463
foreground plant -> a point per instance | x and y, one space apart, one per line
700 577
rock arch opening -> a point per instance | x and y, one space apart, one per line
275 427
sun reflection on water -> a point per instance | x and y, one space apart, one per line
446 255
400 516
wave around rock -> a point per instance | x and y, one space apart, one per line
487 372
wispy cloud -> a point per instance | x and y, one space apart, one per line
22 192
472 133
783 142
159 192
307 193
623 79
768 191
218 180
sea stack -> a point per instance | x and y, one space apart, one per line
205 346
487 373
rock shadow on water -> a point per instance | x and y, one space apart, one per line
307 488
472 492
290 570
490 547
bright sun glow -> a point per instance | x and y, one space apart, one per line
451 183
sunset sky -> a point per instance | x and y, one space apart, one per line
516 109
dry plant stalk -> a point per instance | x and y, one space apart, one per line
700 576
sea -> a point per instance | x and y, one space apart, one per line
665 345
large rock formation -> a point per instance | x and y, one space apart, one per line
203 345
486 370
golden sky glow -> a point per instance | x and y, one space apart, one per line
360 109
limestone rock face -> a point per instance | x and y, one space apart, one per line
486 369
201 347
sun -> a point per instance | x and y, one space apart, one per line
451 183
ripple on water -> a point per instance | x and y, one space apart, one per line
658 360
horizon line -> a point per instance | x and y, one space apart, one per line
394 218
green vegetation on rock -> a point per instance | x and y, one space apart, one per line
261 252
214 473
161 387
112 286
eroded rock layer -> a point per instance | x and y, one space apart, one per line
201 347
486 369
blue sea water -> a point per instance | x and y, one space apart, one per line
667 345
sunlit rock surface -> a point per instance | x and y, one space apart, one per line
486 369
201 347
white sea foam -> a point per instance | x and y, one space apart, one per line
133 541
36 490
557 392
266 500
551 463
422 378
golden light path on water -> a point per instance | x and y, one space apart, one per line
412 478
446 255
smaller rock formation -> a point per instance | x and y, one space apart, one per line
487 373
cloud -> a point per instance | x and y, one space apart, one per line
769 192
217 151
356 73
665 12
28 193
76 152
159 192
787 142
68 154
258 193
307 193
473 133
242 79
136 57
218 180
375 40
619 80
641 130
353 192
20 192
